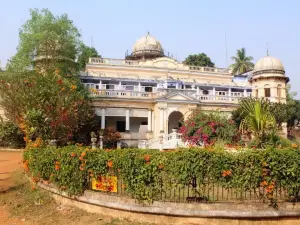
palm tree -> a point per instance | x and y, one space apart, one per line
242 63
258 119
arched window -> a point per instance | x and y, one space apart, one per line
267 91
279 87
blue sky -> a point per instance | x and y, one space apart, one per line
182 27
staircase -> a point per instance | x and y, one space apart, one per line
169 141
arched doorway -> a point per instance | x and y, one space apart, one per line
175 119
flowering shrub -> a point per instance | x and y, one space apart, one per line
110 137
48 105
143 172
206 128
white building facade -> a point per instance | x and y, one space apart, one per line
147 94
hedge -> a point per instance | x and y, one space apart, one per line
142 171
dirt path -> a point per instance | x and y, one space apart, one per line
9 162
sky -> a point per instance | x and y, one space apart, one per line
182 26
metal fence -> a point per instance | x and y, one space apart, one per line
209 191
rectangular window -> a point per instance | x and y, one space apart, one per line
148 89
120 126
144 123
267 92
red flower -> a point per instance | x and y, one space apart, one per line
60 82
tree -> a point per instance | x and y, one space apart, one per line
258 119
199 60
46 42
242 63
86 52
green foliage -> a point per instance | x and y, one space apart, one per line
208 127
199 60
10 135
258 119
49 106
144 172
86 52
49 40
242 63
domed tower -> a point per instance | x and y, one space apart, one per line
146 48
268 80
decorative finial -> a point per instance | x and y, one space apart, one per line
267 49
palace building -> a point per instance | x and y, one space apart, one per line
146 95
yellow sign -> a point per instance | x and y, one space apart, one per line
105 183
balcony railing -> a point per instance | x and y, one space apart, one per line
134 63
235 96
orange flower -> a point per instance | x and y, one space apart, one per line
264 183
73 154
147 158
33 187
123 186
81 158
161 166
264 164
226 173
57 163
119 170
91 175
57 167
110 164
294 145
73 87
83 154
63 89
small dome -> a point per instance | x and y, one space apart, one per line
268 63
147 46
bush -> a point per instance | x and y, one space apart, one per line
143 172
110 137
207 128
10 135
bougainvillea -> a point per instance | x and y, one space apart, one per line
204 128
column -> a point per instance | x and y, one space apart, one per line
120 85
139 86
197 90
229 94
214 93
103 118
127 127
245 93
149 120
161 120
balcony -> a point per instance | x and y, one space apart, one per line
219 96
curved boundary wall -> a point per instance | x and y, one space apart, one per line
180 213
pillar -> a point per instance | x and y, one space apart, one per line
229 93
214 93
197 90
161 120
139 87
103 118
149 120
245 93
127 127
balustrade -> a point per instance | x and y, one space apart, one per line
220 96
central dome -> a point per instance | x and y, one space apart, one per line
147 47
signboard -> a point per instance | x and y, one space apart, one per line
105 183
